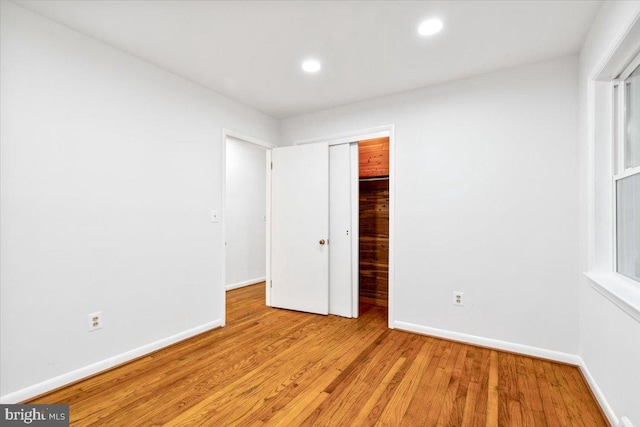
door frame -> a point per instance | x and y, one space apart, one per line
355 136
227 133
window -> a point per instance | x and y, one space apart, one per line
626 98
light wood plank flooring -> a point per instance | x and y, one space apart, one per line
278 367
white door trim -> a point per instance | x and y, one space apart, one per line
351 136
360 135
267 288
227 133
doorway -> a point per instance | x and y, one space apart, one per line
245 210
315 246
245 214
374 221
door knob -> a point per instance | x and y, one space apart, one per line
322 242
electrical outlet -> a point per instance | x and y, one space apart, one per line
457 298
95 321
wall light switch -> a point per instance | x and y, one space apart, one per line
215 216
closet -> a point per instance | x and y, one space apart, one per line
374 221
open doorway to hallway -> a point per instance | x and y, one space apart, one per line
245 213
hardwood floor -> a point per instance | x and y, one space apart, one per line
278 367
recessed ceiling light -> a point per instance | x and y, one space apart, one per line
430 27
311 66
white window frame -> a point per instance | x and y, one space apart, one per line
600 159
618 119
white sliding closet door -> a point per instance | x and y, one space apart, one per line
340 230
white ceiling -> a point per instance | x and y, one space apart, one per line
252 51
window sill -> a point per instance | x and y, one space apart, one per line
621 291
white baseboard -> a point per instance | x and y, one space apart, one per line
489 342
78 374
527 350
625 422
608 411
103 365
245 283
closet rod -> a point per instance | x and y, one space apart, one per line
380 178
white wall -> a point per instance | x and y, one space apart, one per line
486 201
609 337
244 211
109 169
